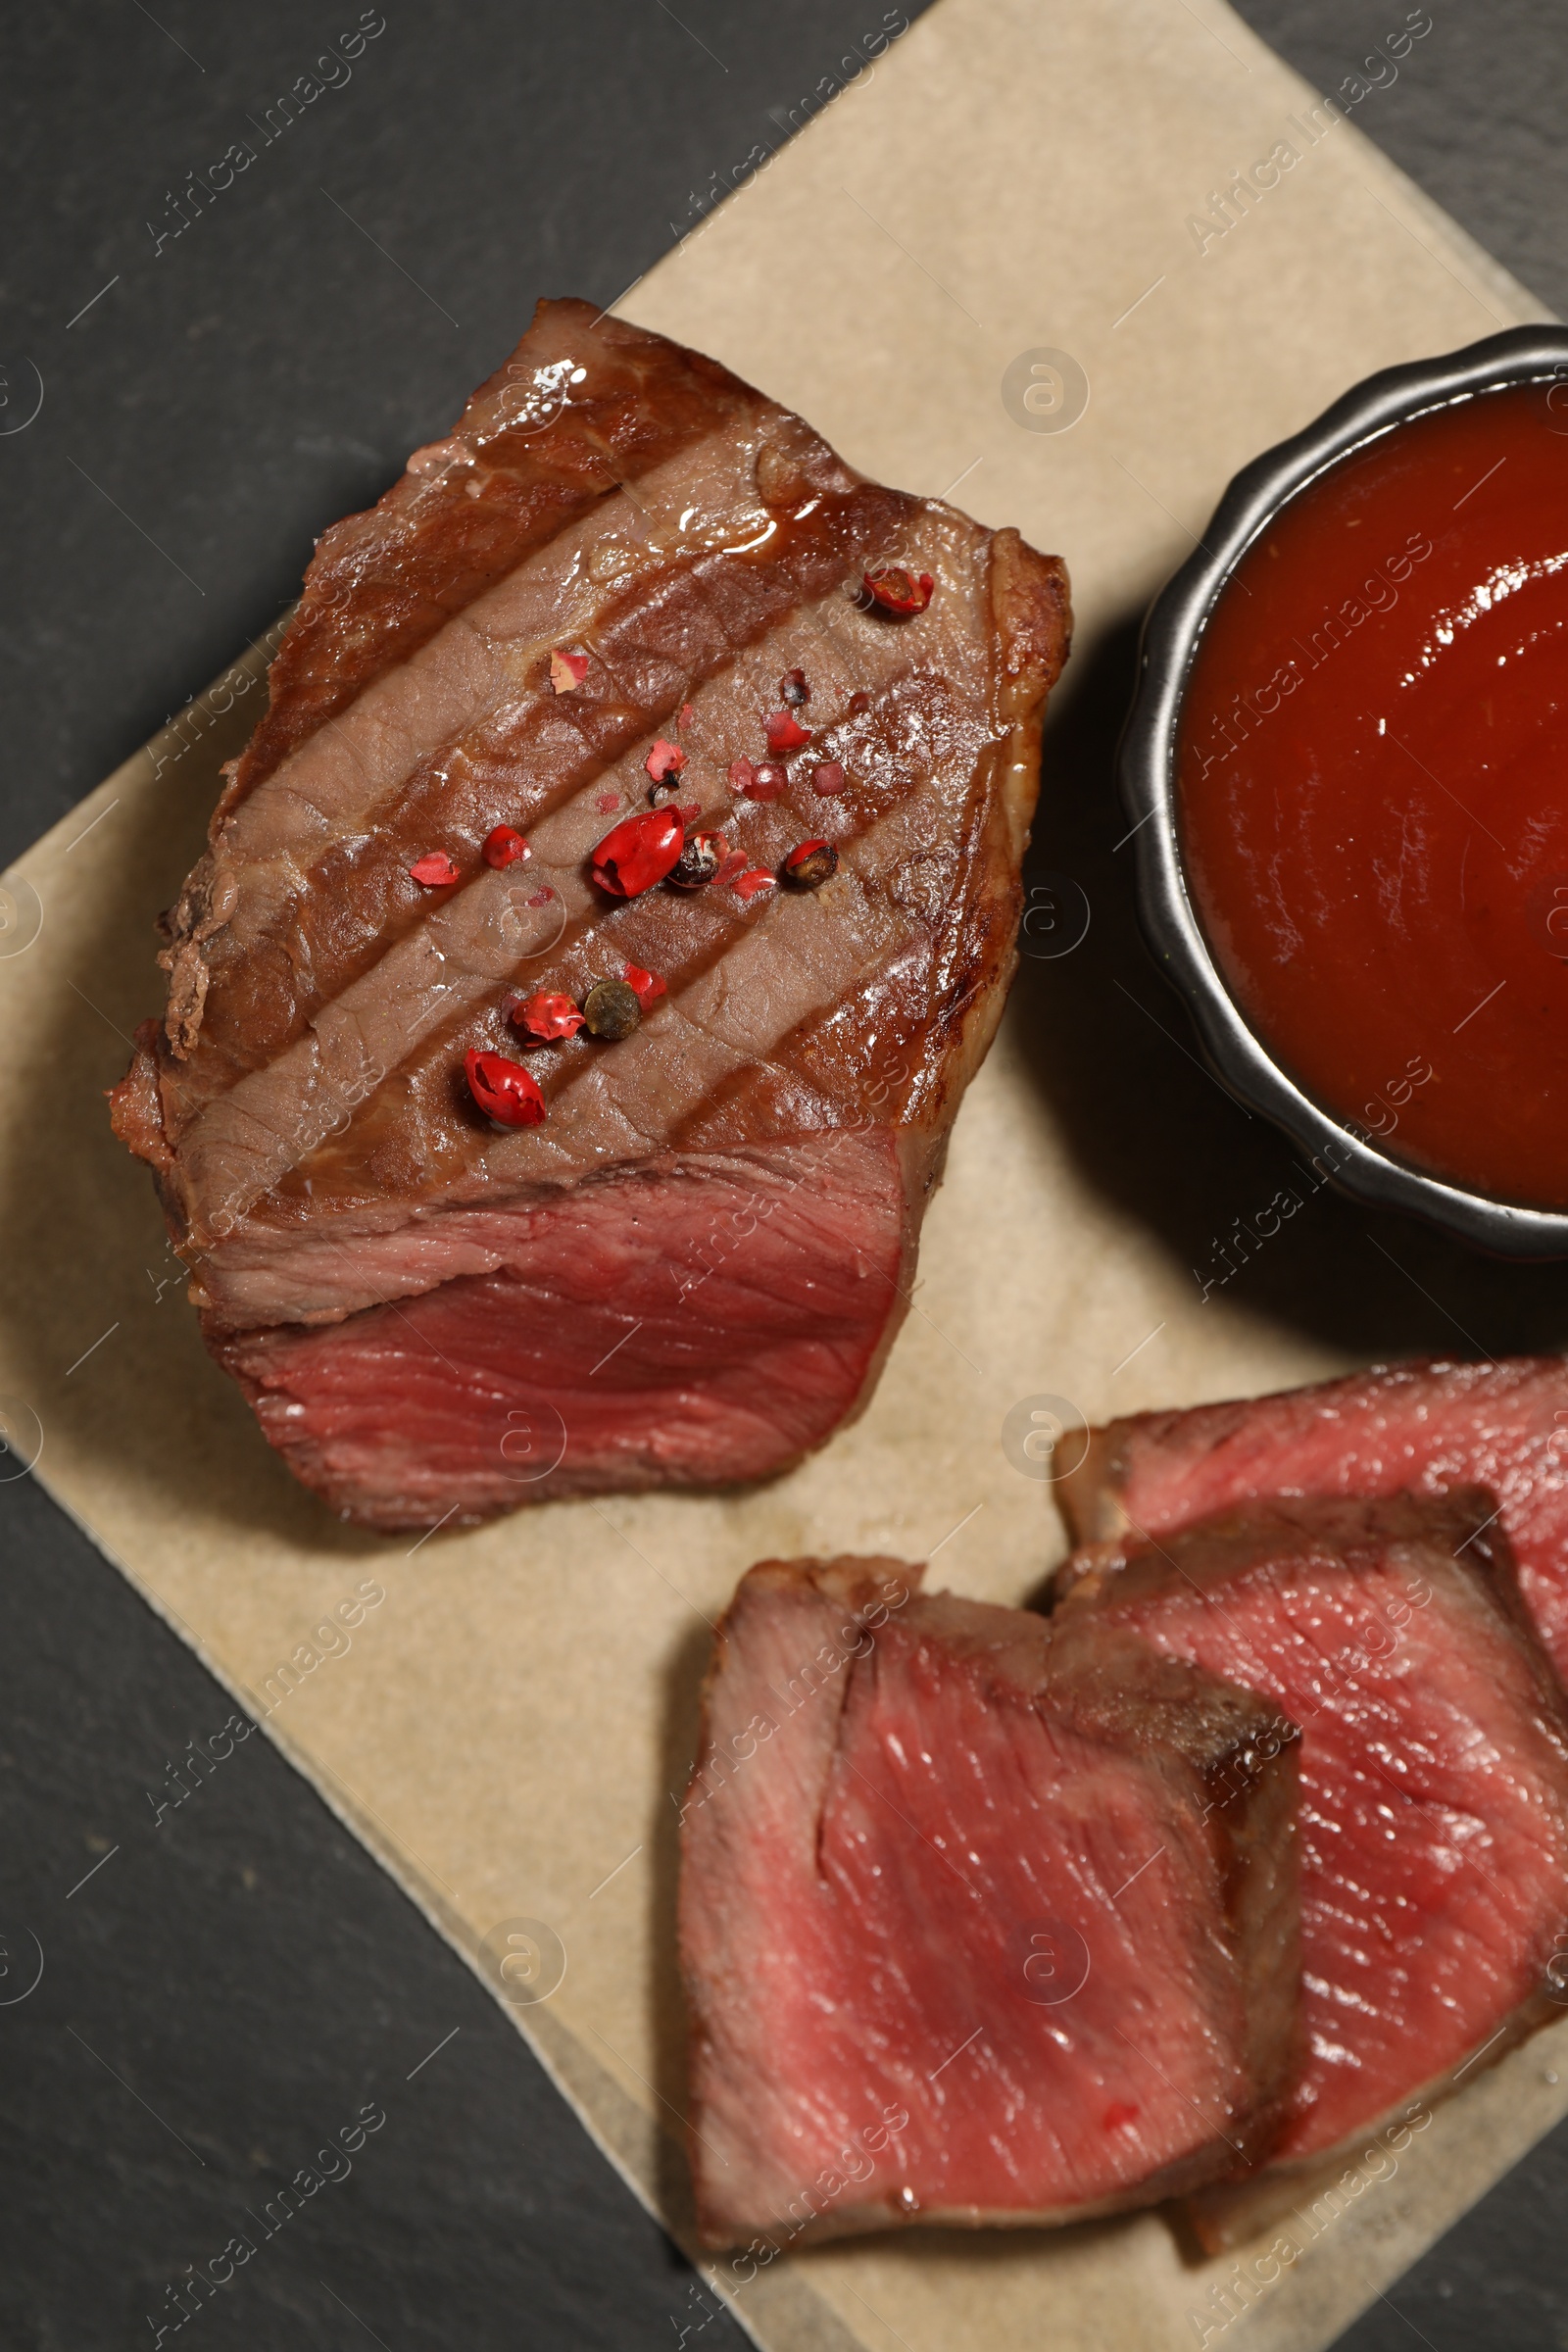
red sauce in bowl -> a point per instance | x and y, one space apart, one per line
1373 791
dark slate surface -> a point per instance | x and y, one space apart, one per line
236 1981
271 364
1474 111
234 1985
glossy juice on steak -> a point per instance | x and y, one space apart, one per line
1373 781
1426 1427
1029 1890
1434 1821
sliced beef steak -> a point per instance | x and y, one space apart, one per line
1425 1426
1434 1772
755 1293
982 1919
597 593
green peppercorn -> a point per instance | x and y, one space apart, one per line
611 1009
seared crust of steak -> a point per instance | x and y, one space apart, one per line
548 437
983 1920
303 1106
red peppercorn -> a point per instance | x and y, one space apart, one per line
827 779
762 782
664 761
505 846
644 986
896 590
747 886
810 863
434 870
567 670
503 1090
545 1016
636 854
785 732
793 689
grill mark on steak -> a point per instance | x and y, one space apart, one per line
1434 1772
736 1009
444 985
351 1221
866 1048
544 450
514 762
896 1803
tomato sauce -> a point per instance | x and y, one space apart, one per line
1373 791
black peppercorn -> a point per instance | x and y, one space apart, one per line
699 861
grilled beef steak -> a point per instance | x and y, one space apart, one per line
1434 1773
626 588
982 1919
1429 1426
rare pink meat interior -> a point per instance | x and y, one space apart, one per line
1434 1772
594 943
982 1919
1428 1426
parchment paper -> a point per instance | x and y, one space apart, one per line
505 1728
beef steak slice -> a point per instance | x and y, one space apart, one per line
689 1273
1429 1426
1434 1773
982 1919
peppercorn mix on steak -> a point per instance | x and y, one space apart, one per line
594 943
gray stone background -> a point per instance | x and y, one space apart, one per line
235 1981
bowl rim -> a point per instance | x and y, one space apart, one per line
1342 1153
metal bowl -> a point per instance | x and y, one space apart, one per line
1346 1153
